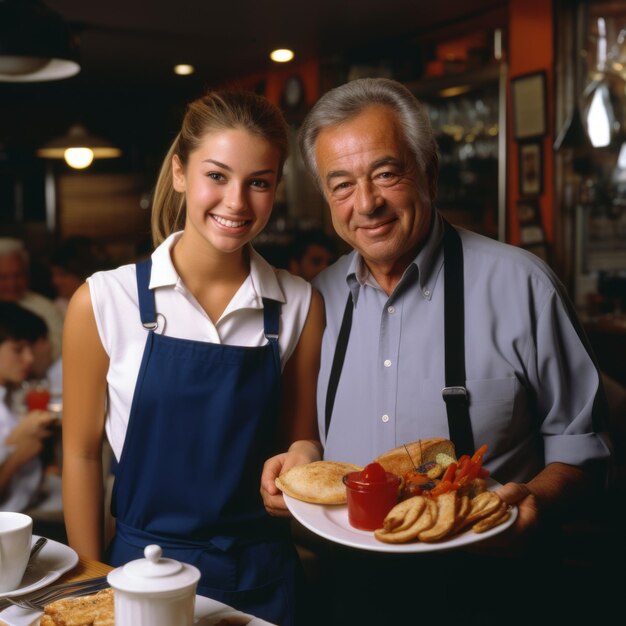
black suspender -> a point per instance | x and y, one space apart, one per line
454 393
338 359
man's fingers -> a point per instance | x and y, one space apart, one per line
512 493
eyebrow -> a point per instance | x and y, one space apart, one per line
386 160
230 169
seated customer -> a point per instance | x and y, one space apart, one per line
15 287
21 439
311 252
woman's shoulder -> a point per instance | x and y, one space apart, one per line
121 277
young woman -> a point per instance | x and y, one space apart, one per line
179 359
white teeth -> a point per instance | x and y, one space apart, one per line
224 222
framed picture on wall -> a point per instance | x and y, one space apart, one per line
532 235
530 169
528 93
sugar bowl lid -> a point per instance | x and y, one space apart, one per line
154 573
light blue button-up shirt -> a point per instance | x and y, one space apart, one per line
535 393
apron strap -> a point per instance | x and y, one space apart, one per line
454 393
147 307
271 319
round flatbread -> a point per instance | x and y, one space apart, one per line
319 482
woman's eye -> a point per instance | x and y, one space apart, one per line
260 183
217 176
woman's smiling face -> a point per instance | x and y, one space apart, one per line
229 184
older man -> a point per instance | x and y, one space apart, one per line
434 331
14 288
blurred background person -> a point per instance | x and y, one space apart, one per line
14 287
71 263
310 252
21 438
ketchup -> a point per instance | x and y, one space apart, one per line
372 493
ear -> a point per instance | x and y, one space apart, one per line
178 175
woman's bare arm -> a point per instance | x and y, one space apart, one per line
299 414
85 365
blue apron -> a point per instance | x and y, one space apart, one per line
202 422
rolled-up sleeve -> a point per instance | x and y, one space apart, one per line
570 395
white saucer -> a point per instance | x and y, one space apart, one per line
210 612
51 563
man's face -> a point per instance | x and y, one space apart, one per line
13 278
372 185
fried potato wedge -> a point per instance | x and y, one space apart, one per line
425 520
404 514
446 512
482 505
499 516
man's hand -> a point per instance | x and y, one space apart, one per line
299 453
513 541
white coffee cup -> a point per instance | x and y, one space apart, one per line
16 531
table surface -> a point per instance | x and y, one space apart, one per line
86 568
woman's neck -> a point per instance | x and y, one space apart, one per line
213 277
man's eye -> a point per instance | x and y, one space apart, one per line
386 176
341 188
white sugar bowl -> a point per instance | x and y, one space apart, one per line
154 591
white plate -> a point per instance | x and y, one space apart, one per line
331 522
207 612
51 563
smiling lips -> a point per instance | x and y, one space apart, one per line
376 226
229 223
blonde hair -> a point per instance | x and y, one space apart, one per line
212 112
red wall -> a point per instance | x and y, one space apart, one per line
531 49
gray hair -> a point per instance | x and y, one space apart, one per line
10 246
349 100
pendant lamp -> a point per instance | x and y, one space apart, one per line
79 148
35 43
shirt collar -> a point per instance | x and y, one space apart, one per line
428 262
262 275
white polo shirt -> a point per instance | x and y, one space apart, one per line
116 309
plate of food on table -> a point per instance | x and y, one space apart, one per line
418 497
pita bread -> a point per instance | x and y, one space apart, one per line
319 482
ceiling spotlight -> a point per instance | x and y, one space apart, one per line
184 69
282 55
79 148
35 43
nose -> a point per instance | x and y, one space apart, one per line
368 198
234 198
28 356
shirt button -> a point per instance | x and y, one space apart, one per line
387 363
391 309
385 418
427 292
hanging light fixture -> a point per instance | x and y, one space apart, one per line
79 148
35 43
603 96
